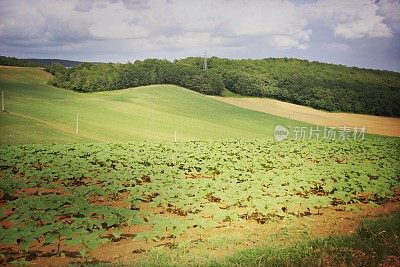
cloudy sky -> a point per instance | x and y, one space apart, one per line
362 33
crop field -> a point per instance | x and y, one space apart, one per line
123 192
70 199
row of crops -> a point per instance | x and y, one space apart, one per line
88 194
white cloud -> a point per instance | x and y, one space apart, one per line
299 40
390 10
126 29
270 22
366 23
186 23
349 19
113 21
192 39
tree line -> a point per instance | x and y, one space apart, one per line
319 85
12 61
90 77
36 62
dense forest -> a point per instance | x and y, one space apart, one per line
319 85
89 77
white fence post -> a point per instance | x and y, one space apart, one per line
77 123
2 100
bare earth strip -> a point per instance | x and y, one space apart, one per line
374 124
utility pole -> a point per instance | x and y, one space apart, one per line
2 101
77 123
175 136
205 60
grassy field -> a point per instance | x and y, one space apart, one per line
39 113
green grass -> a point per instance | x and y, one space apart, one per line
375 242
144 113
227 93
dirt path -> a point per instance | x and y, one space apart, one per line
374 124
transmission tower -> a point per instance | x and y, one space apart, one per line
205 60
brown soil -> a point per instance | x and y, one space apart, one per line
374 124
217 242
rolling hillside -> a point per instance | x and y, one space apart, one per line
39 113
318 85
374 124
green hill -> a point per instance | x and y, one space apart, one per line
318 85
40 113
